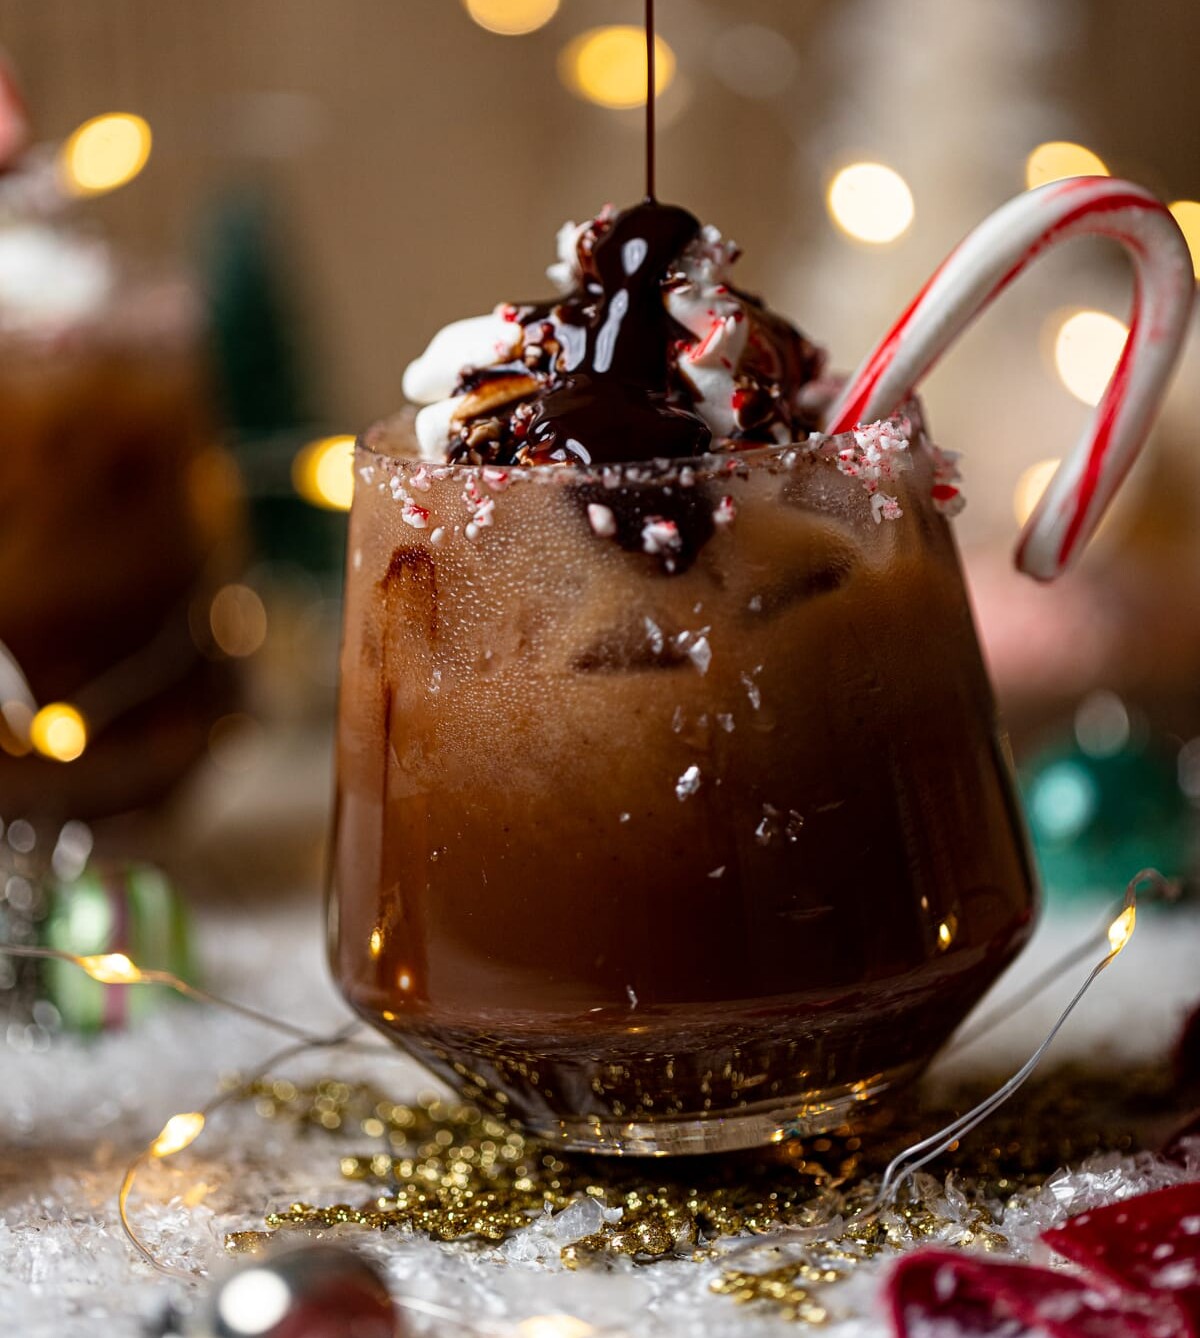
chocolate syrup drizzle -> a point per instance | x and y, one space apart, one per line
596 381
611 402
611 405
651 95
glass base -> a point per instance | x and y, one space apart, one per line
818 1112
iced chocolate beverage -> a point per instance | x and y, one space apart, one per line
672 812
119 520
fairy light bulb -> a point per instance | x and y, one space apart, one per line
58 731
105 153
179 1132
111 968
1121 929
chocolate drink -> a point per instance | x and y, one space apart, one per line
119 520
621 851
672 811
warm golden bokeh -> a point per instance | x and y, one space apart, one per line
323 473
59 731
1030 486
105 153
608 66
1086 350
1060 158
870 202
512 18
1187 215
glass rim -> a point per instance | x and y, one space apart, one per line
907 421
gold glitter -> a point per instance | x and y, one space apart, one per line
453 1171
781 1286
247 1242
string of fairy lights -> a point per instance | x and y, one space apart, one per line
182 1129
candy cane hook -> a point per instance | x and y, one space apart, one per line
978 270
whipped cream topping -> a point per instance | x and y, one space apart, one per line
729 363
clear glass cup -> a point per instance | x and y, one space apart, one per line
654 860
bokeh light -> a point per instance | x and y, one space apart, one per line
1060 158
512 18
236 743
870 202
238 620
1063 800
607 66
1033 482
553 1326
58 731
323 473
1187 215
104 153
755 61
1102 724
1086 350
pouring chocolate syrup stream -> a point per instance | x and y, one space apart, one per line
612 402
651 92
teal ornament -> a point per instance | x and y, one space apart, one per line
114 907
1102 808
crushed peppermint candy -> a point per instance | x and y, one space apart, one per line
725 512
660 536
879 452
695 646
947 495
414 515
481 507
687 784
421 478
602 520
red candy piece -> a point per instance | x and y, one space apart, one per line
14 123
1149 1245
930 1290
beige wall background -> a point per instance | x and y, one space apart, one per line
420 166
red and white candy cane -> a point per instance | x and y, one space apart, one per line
978 270
14 120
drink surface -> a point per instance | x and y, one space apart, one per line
619 843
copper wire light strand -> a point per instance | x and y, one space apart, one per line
148 1154
905 1164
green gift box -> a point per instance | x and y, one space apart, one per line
114 907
